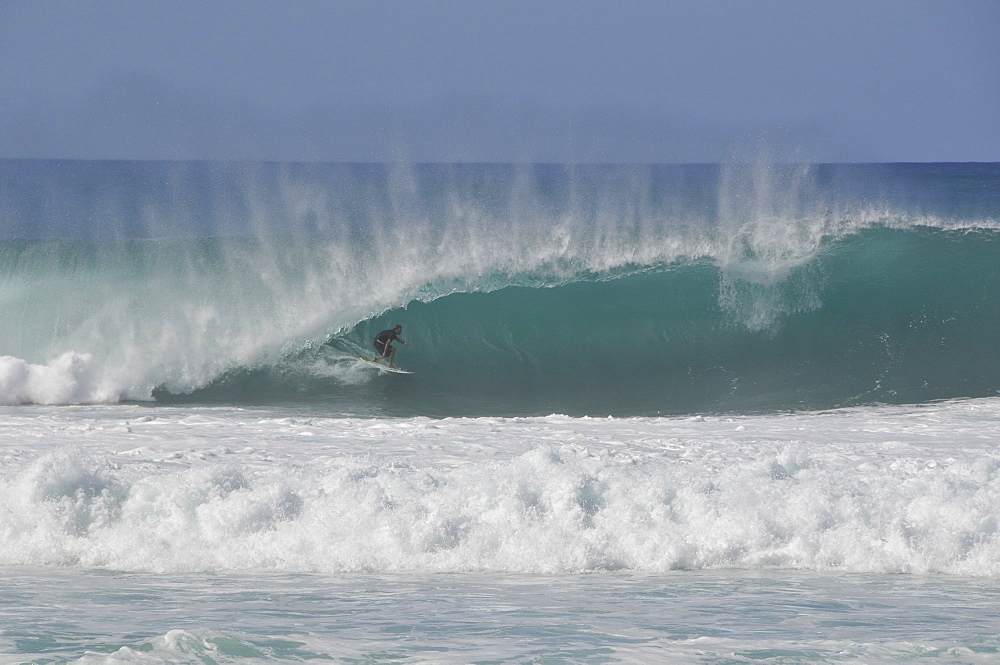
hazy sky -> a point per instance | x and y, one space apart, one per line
670 81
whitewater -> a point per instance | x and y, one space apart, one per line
708 413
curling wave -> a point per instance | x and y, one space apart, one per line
526 289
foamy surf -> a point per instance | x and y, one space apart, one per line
67 379
877 490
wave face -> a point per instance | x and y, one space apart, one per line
597 290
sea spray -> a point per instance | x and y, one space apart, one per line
773 221
65 380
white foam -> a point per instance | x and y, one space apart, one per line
890 489
67 379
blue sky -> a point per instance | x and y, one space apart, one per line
556 81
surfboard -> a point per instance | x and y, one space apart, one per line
394 370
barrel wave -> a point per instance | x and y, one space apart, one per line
884 316
524 290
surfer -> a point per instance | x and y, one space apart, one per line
384 340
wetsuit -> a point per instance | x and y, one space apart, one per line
383 341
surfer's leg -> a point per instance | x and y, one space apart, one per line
392 354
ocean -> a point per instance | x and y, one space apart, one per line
734 413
